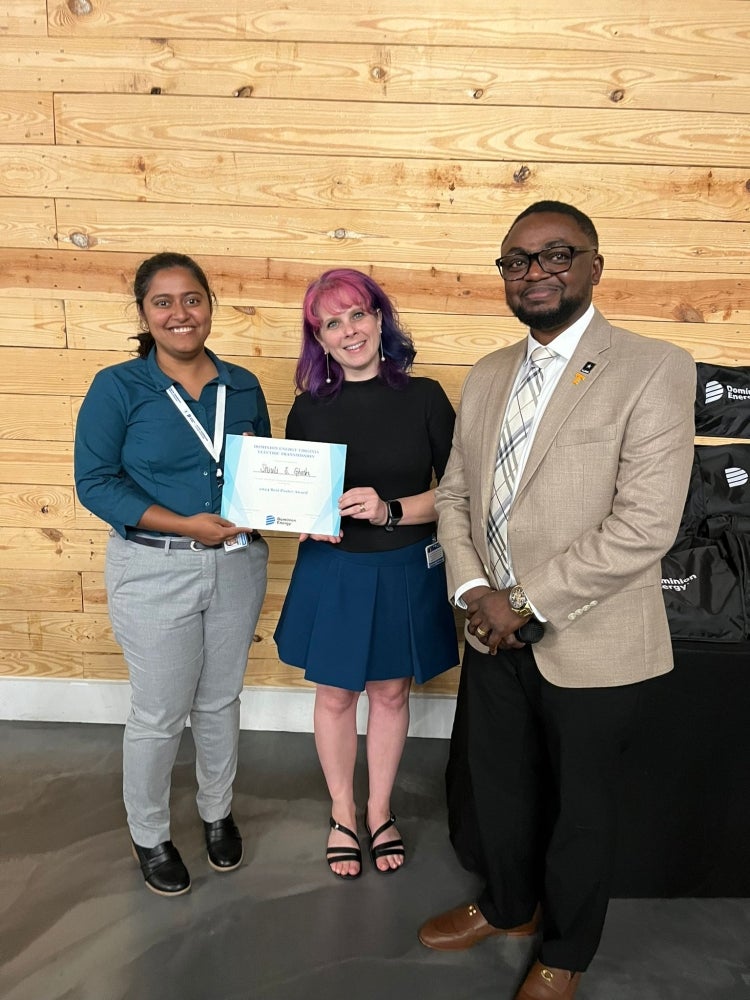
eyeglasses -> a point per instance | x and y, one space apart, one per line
552 260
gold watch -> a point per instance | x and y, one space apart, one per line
519 601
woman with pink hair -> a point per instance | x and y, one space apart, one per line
368 610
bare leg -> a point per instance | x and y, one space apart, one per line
386 734
336 741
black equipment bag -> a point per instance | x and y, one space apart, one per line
722 401
705 589
719 482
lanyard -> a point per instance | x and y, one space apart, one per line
212 447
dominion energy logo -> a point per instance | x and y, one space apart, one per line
715 391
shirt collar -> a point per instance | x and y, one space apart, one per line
565 343
163 381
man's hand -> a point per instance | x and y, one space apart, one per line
491 618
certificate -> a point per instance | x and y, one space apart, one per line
283 485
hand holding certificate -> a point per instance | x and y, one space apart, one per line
283 485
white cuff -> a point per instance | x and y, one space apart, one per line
457 598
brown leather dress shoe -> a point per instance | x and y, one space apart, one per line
464 926
545 983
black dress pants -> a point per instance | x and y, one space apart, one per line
544 764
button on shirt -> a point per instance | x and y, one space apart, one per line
564 345
134 449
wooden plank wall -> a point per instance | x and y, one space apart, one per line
275 140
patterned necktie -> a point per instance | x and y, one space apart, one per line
519 418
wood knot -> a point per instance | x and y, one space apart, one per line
247 310
80 240
616 96
378 73
747 185
53 534
155 90
246 91
339 234
476 94
522 174
684 313
257 638
44 509
80 7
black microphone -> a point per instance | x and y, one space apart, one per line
532 630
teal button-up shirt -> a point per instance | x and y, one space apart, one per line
133 447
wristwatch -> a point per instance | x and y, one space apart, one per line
519 601
395 513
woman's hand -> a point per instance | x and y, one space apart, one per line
333 539
363 504
210 529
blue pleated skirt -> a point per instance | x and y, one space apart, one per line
353 617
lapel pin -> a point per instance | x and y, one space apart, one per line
584 370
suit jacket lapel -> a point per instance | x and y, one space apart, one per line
497 403
592 346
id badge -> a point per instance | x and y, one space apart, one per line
238 542
434 554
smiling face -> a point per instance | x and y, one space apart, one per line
352 338
177 310
550 303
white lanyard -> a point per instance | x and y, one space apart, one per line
212 447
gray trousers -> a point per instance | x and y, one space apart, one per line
185 621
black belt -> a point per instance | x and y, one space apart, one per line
178 542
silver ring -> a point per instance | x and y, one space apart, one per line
362 508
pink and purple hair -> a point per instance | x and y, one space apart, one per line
336 291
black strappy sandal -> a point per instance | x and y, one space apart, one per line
336 854
389 847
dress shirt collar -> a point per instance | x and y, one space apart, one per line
163 381
565 343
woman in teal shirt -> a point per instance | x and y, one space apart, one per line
148 460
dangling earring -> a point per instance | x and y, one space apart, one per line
382 352
328 369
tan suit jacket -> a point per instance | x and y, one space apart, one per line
598 504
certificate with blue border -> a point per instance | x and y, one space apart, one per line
282 485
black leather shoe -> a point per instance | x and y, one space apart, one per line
224 844
163 869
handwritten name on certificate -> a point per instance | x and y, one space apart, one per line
283 485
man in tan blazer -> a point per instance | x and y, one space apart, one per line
596 470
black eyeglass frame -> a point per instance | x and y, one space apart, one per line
573 251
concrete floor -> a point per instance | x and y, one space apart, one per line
76 922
